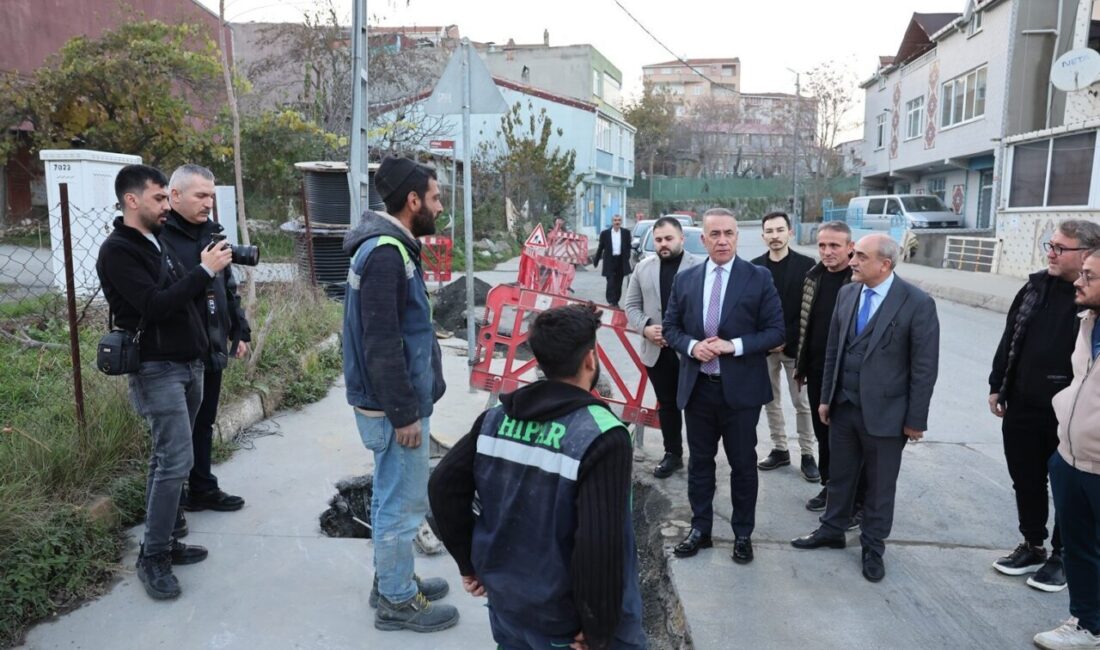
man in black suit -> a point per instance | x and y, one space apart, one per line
722 317
881 362
614 252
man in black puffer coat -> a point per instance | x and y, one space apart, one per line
1032 363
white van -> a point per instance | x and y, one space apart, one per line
910 210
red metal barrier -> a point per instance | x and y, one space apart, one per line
435 257
545 274
509 310
567 246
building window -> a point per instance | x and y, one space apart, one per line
902 188
1053 172
975 24
963 98
697 89
882 82
596 82
603 134
914 117
612 92
938 187
880 131
666 70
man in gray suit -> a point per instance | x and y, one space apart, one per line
881 362
646 296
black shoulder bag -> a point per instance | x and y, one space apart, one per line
119 351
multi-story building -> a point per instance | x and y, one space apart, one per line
932 111
692 80
966 111
581 78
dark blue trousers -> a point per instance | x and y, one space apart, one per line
710 421
1077 511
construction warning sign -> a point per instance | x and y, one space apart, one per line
537 238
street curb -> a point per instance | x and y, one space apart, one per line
999 304
232 419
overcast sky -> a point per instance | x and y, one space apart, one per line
769 36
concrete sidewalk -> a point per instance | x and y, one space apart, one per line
273 580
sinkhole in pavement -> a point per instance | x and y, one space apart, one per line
348 515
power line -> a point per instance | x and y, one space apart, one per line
669 50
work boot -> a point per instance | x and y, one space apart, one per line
809 470
1024 559
777 458
432 588
187 553
155 573
416 614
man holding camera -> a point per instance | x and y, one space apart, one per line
187 232
150 292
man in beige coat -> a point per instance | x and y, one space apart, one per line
646 297
1075 475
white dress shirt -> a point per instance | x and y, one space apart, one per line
616 242
708 287
877 296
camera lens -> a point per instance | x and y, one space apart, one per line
246 255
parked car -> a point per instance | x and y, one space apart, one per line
684 219
911 210
637 235
693 243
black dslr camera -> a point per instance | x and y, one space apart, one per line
244 255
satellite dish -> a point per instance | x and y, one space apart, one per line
1075 70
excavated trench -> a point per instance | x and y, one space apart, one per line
348 515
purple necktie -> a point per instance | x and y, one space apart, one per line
710 325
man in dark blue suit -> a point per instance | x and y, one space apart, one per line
722 317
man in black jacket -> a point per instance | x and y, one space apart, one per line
788 269
186 233
553 545
614 252
149 291
1032 363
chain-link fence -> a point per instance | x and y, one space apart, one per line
50 277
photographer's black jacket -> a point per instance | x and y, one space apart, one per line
187 240
129 268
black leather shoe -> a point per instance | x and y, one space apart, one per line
669 464
818 539
817 504
809 470
691 544
213 500
742 550
857 520
187 553
775 459
873 568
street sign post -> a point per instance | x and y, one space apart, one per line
466 87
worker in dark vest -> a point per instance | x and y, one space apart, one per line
552 546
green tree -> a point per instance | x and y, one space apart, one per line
655 118
145 88
533 173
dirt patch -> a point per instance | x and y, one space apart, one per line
662 611
449 304
348 513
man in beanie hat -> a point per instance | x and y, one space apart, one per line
393 373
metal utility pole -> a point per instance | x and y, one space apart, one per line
358 179
468 201
796 207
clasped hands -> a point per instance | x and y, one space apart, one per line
710 348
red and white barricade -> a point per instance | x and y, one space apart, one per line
436 258
503 362
567 246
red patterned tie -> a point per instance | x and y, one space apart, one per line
710 325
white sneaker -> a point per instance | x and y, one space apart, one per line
1067 636
426 541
